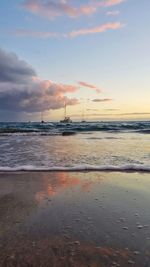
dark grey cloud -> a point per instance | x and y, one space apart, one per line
12 69
21 90
102 100
33 99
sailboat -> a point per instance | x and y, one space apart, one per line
42 121
66 118
83 113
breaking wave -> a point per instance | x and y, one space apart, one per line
78 168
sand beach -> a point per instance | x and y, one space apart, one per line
74 219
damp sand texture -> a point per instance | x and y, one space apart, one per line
74 219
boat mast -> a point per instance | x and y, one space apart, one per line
65 110
42 117
83 110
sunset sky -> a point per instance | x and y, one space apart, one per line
94 53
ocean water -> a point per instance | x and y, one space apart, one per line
123 146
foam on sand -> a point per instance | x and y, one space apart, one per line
79 168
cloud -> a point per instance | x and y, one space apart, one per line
113 13
135 113
45 35
118 114
101 100
57 8
109 3
92 109
38 96
22 90
98 29
36 34
13 69
111 109
91 86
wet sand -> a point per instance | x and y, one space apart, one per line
74 219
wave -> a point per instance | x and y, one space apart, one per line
78 168
57 128
144 131
31 133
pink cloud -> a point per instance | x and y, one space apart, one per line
98 29
113 2
55 8
91 86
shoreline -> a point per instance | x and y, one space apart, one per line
83 168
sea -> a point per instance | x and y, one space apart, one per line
77 146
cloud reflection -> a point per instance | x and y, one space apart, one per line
59 182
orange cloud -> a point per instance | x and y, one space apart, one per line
113 2
98 29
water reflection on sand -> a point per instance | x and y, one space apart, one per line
63 181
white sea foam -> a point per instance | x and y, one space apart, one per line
79 168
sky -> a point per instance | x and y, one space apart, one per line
93 55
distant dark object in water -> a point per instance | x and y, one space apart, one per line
66 120
42 121
144 131
68 133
